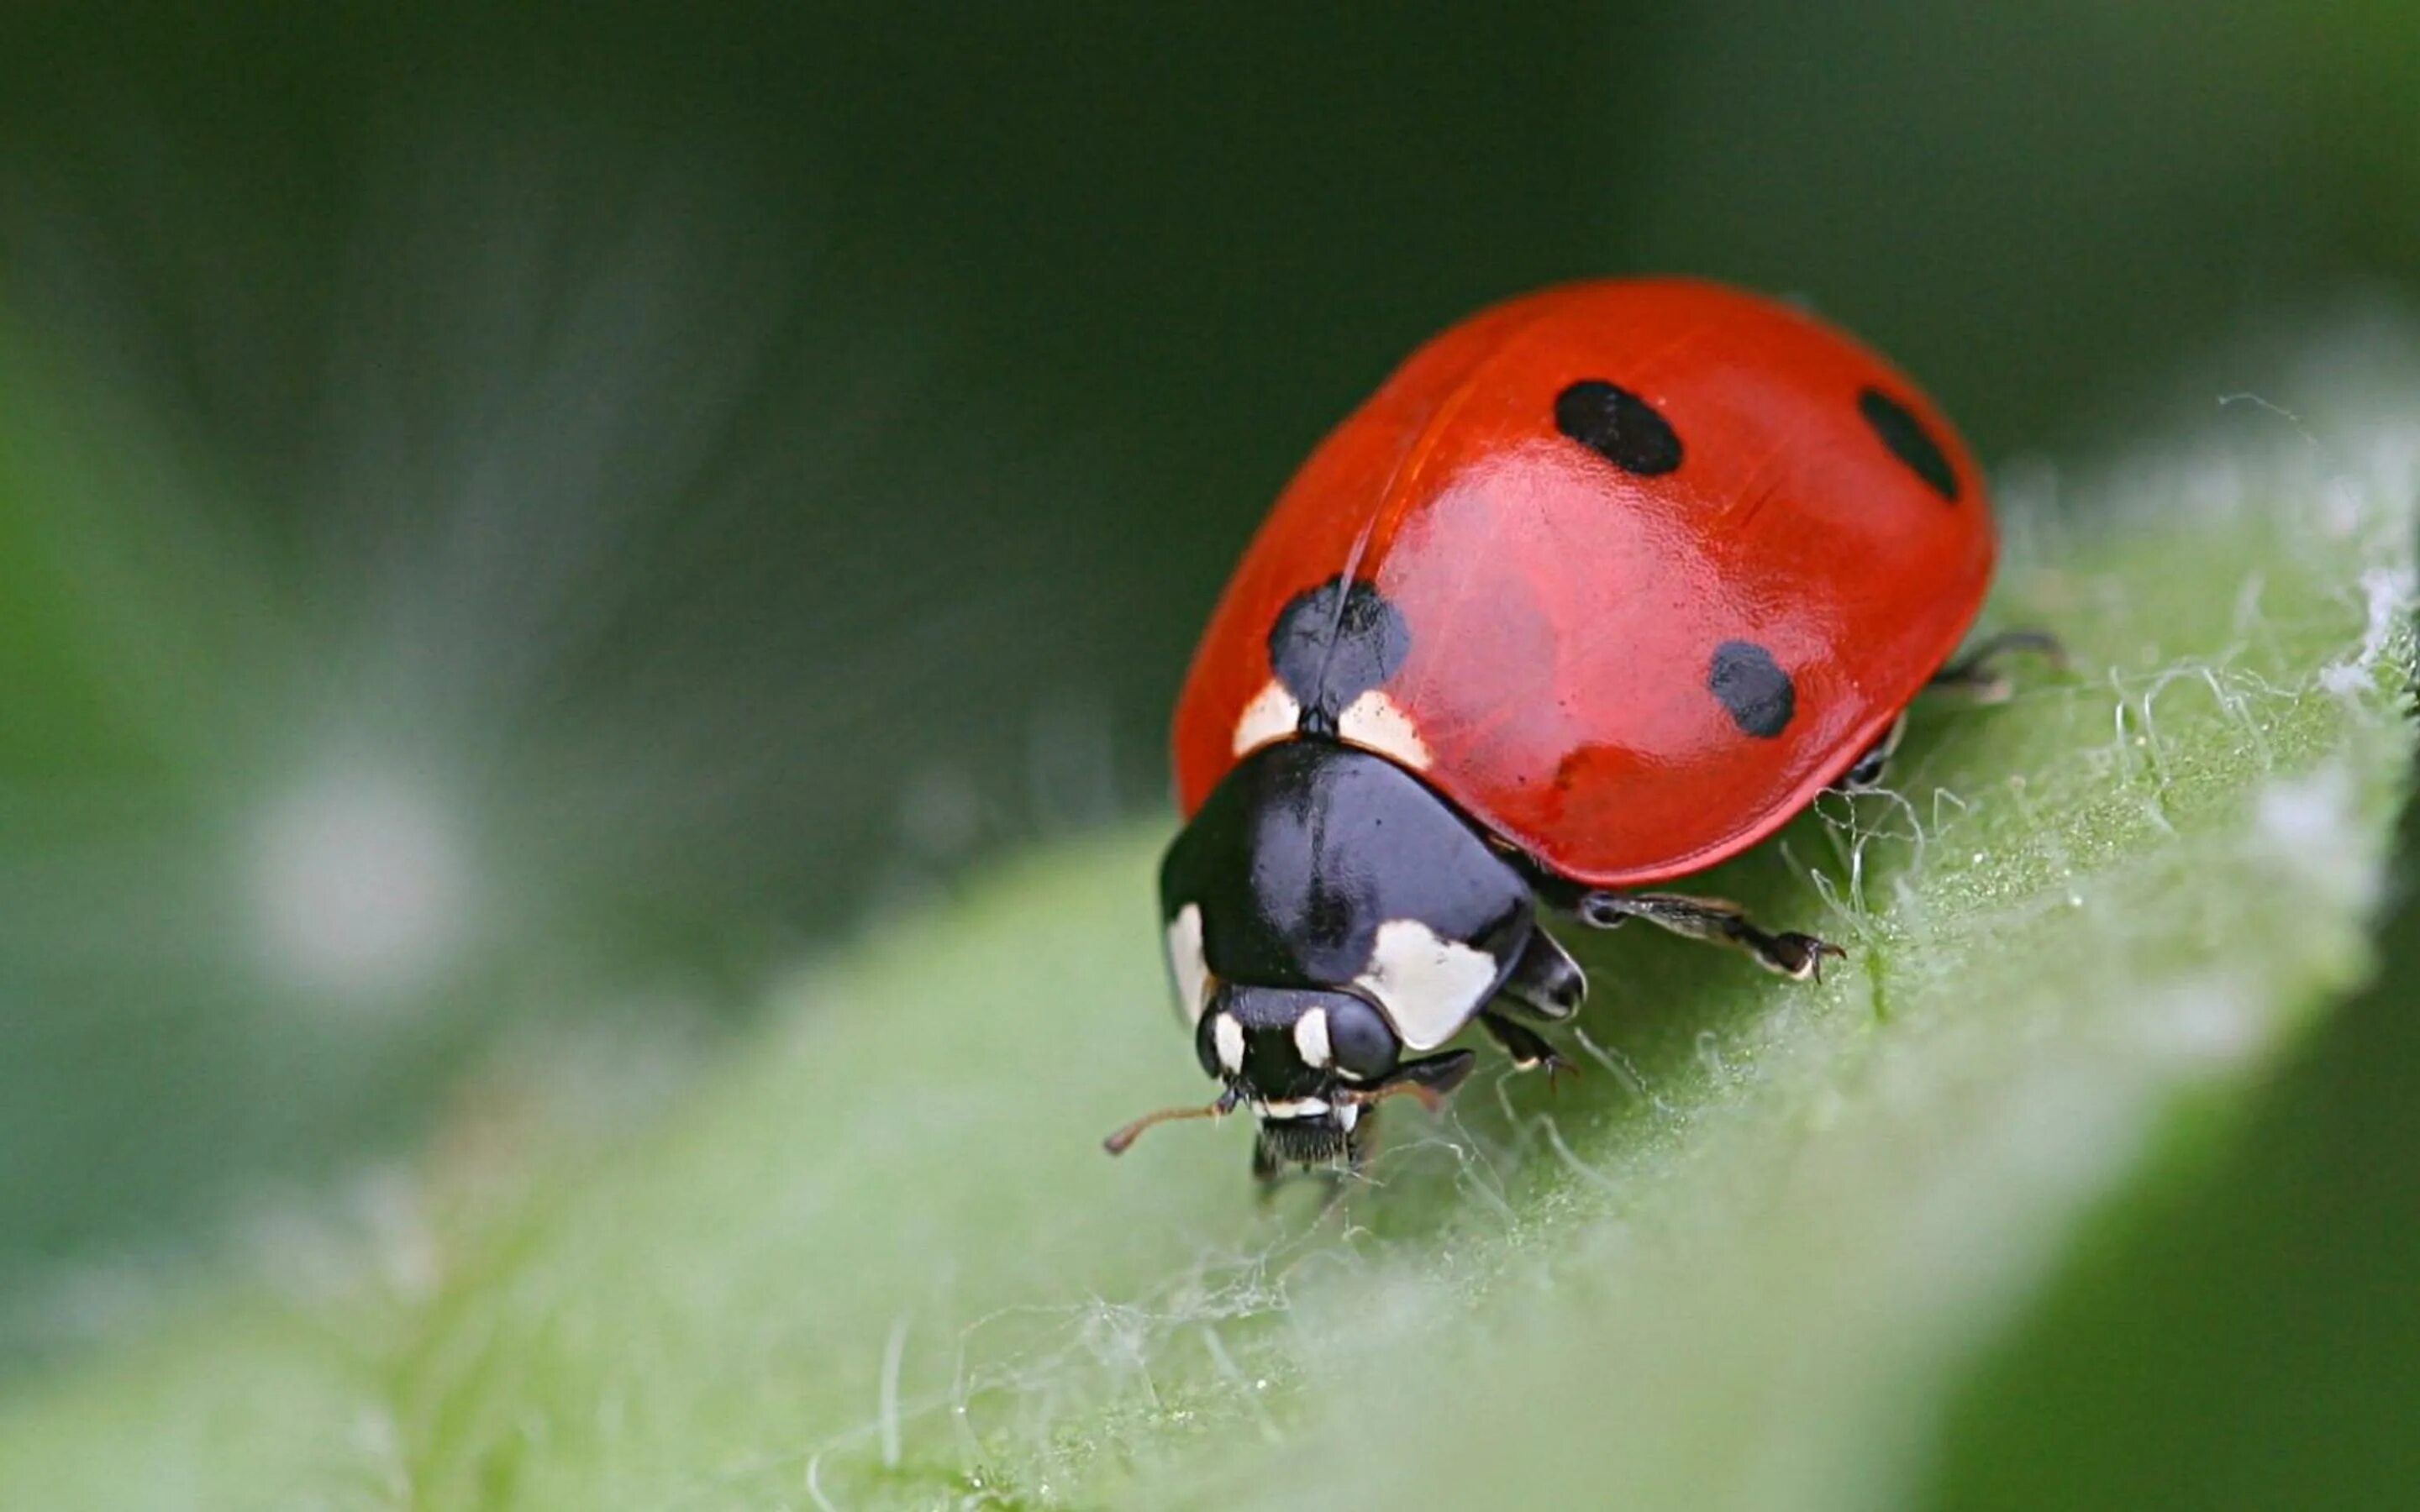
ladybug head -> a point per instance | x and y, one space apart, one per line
1308 1062
1300 1059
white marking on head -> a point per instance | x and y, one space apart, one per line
1348 1114
1301 1108
1229 1036
1430 987
1376 721
1310 1037
1272 714
1186 963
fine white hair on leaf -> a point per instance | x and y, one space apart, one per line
2387 593
1570 1158
895 1350
2279 411
1225 1365
2247 603
814 1485
2308 827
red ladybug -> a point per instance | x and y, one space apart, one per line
1601 588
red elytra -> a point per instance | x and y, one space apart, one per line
1758 486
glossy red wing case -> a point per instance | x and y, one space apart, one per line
1661 560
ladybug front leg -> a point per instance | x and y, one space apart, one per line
1796 956
1981 674
1360 1144
1528 1051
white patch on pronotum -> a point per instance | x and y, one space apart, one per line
1373 720
1186 961
1229 1036
1272 714
1310 1037
1301 1108
1428 986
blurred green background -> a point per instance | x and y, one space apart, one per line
513 515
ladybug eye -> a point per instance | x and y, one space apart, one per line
1363 1047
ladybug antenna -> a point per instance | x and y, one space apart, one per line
1429 1097
1119 1142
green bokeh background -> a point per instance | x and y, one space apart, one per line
751 462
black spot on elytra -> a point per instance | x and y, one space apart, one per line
1617 426
1909 441
1328 652
1754 690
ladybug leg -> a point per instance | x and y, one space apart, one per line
1981 674
1528 1052
1868 774
1796 956
1359 1145
1545 983
1431 1079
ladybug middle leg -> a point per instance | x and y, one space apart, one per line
1796 956
1546 985
1868 774
1982 672
1981 675
1360 1146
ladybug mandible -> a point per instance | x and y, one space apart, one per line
1601 588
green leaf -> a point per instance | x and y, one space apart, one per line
2244 1333
879 1260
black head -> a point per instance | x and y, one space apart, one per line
1329 917
1309 1064
1300 1059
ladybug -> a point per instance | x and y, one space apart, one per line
1602 587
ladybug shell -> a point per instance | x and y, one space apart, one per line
1635 568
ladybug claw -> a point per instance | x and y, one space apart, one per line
1801 956
1528 1052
